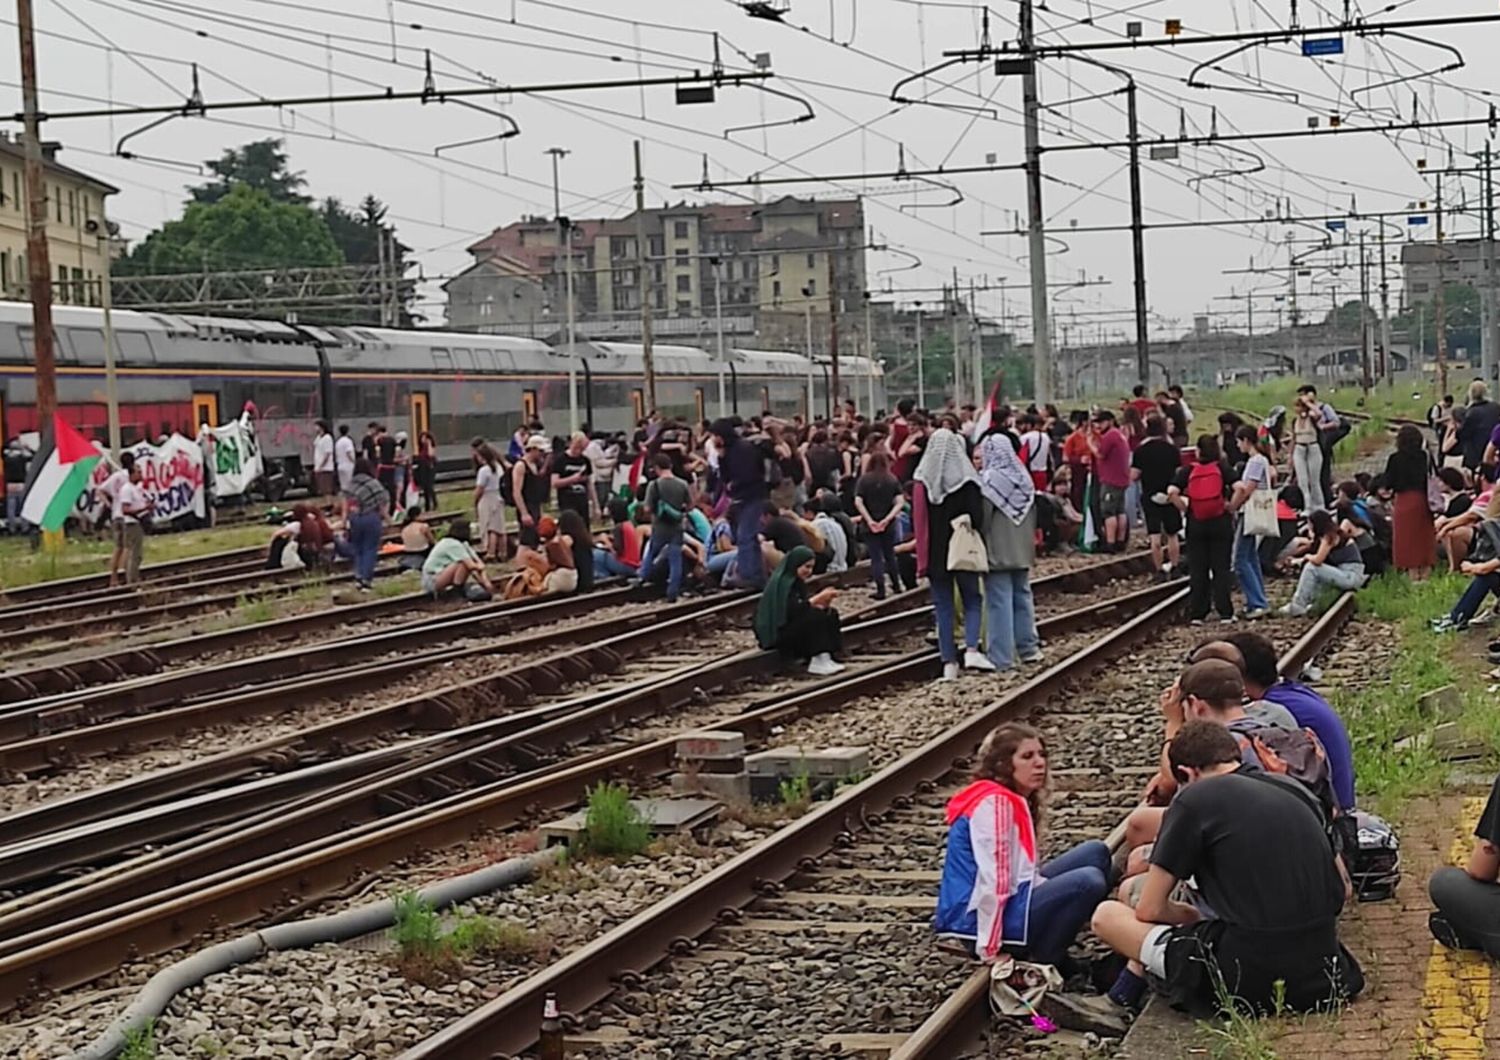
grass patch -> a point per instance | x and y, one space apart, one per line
84 552
428 953
140 1044
1366 438
795 792
1383 714
612 827
252 612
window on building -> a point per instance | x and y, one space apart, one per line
15 191
812 288
775 262
775 288
72 207
684 259
812 261
684 284
5 270
656 273
62 284
684 307
679 229
745 269
655 246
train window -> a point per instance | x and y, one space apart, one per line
463 359
304 400
346 400
372 400
272 398
88 344
442 358
133 346
28 348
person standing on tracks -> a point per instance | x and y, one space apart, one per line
403 474
365 503
1307 450
424 465
1010 544
1258 475
1201 492
799 626
1111 451
1153 466
1408 472
489 504
571 472
109 492
528 489
322 462
343 456
668 499
1273 940
947 491
743 464
604 456
993 893
878 499
1479 423
385 465
135 509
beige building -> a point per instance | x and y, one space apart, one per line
75 247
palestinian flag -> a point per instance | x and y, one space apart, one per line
59 474
987 417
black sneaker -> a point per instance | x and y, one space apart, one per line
1444 932
1084 1013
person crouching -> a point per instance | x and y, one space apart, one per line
453 564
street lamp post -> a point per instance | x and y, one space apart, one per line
100 228
565 244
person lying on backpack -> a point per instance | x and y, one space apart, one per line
1468 898
1201 492
1259 856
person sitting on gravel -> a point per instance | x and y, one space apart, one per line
417 539
1483 566
1335 561
1468 898
617 553
795 624
453 564
1274 939
993 895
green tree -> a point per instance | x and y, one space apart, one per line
358 234
1461 315
244 229
261 164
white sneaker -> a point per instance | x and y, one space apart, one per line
822 665
977 660
950 672
1035 657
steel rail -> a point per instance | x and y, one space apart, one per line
962 1018
507 1025
452 762
68 953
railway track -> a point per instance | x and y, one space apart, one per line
817 941
495 776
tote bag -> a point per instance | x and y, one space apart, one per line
966 551
1260 514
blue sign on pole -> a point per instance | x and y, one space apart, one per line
1336 226
1323 46
1417 219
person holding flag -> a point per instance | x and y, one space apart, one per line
59 475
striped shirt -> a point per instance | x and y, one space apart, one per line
366 494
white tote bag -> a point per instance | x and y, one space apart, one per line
1260 514
966 551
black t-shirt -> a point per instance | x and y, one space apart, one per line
1158 461
1173 412
1256 848
1488 828
367 446
824 464
15 467
879 492
565 464
1458 504
783 533
386 446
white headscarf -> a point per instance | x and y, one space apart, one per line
945 466
1004 479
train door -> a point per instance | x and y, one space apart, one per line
205 409
421 417
529 406
637 406
765 401
698 404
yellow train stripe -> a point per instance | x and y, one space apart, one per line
1456 992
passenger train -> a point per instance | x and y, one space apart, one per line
176 372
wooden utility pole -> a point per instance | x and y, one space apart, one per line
642 263
38 263
833 338
1440 304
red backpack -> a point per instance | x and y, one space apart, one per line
1205 492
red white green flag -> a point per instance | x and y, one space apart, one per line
59 475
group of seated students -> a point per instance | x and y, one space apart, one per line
1233 874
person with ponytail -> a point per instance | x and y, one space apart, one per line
993 893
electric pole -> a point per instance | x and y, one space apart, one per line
644 284
833 338
38 264
1138 240
1388 358
976 350
921 371
958 356
1364 319
1041 337
565 244
1440 304
1492 327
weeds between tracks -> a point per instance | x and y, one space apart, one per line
428 953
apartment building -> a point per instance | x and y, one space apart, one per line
77 236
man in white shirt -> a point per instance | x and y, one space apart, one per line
1187 413
604 458
323 473
109 492
343 457
1036 450
132 503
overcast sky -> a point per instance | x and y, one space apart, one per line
844 63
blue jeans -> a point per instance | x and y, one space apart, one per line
13 499
364 539
718 562
669 551
1011 616
747 535
1247 570
609 565
1062 900
943 607
1469 603
883 559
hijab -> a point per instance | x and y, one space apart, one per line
771 612
1004 479
945 466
